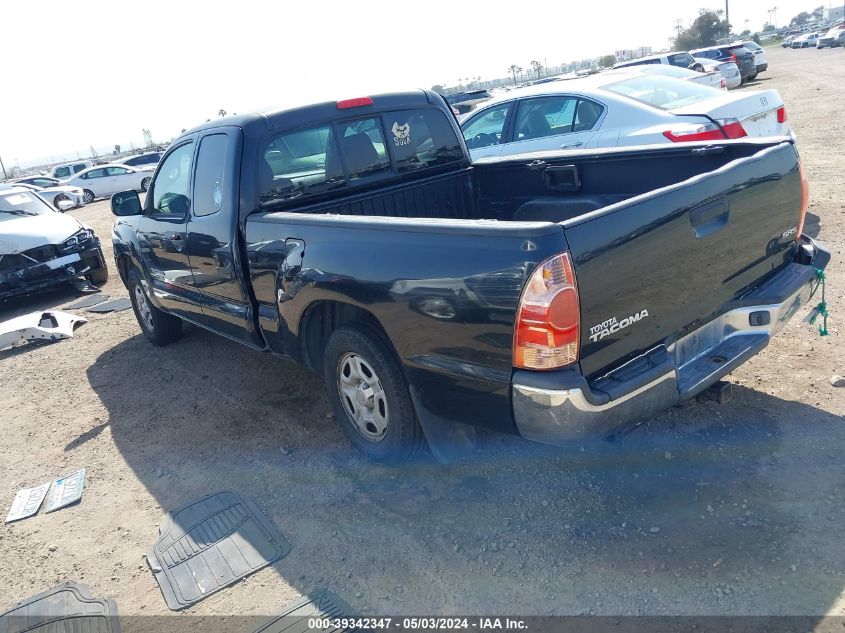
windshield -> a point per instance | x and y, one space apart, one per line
665 93
18 204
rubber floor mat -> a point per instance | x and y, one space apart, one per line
68 608
87 302
294 617
115 305
210 544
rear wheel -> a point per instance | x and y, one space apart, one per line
145 183
752 77
160 328
87 196
369 396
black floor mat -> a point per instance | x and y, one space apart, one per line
115 305
293 618
210 544
90 300
68 608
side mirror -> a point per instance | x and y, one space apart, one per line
126 203
65 205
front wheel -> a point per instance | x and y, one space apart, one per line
87 196
59 198
159 327
369 396
98 277
145 183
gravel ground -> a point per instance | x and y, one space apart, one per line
706 509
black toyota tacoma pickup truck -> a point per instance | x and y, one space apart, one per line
557 296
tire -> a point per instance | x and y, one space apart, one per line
358 360
87 196
145 183
98 277
752 77
59 198
160 328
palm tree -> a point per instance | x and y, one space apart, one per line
513 70
221 112
537 66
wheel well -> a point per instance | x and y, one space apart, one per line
123 267
323 318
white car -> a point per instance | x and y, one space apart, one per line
805 41
63 172
104 180
728 70
712 78
147 160
615 109
72 196
833 38
681 59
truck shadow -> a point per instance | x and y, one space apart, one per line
732 510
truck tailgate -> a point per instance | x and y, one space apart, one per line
655 267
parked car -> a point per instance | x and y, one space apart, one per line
56 194
63 172
729 70
617 108
787 42
833 38
41 248
760 61
712 79
681 59
148 159
104 180
736 53
805 41
346 236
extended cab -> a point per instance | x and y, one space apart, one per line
558 296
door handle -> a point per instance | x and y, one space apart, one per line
565 145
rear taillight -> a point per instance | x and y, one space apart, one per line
782 116
732 58
732 128
548 317
354 103
805 198
703 132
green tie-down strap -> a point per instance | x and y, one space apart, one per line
821 308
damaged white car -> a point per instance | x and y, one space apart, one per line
41 248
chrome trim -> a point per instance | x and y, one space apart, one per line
560 416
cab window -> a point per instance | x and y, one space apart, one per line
421 138
300 162
170 192
209 180
363 147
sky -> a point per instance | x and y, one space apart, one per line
97 72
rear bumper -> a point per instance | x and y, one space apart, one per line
561 407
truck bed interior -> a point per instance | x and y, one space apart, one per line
550 189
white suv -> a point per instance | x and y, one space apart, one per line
63 172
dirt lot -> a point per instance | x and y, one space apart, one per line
706 509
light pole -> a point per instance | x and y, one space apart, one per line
727 19
4 169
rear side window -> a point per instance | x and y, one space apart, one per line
300 162
131 162
62 172
544 116
421 138
209 178
684 60
78 168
